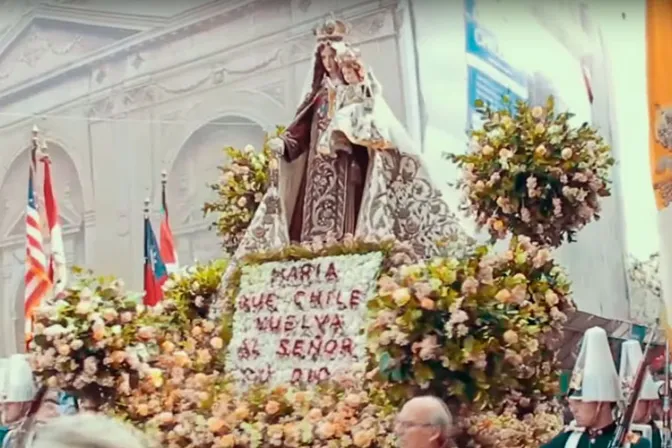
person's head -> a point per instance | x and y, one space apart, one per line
50 407
18 389
85 431
424 422
591 414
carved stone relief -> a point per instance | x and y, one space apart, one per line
43 47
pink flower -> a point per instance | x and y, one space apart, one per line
469 286
427 348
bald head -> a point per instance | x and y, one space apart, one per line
429 414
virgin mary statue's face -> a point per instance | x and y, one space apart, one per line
328 55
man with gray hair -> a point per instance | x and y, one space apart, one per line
424 422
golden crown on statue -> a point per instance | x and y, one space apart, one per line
332 30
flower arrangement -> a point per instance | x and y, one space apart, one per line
95 341
490 429
189 359
190 294
185 371
530 172
240 189
480 329
338 414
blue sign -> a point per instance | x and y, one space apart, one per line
638 332
483 87
483 44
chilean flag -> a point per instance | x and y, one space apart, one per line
155 270
168 252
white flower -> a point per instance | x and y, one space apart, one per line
567 153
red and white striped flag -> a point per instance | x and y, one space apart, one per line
37 283
58 272
167 242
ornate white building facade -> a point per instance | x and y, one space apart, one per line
123 90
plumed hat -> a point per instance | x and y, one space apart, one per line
631 357
19 385
594 377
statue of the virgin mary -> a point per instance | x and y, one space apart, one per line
347 166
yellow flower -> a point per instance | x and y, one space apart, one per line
401 296
156 377
217 343
540 151
272 407
487 150
427 304
510 337
498 225
537 112
241 412
551 297
363 439
215 424
326 430
227 441
353 400
503 295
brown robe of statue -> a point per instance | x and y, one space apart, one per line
331 190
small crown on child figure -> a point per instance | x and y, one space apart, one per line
332 30
350 56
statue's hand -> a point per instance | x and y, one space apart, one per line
277 145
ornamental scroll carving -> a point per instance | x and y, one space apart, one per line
44 48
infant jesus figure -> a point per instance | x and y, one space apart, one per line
353 118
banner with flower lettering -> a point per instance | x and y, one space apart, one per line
302 321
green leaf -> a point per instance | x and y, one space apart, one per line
396 375
479 103
385 361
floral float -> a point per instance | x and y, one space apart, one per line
482 330
240 189
338 414
528 171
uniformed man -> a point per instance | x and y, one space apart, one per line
595 391
19 392
643 421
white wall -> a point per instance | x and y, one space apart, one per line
625 40
596 262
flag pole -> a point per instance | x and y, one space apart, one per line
667 436
33 151
164 181
146 209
